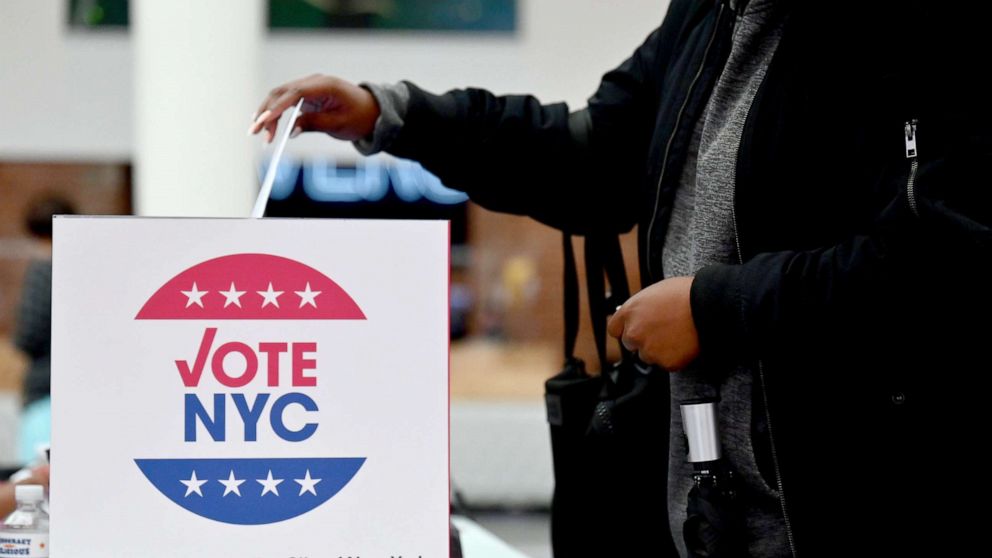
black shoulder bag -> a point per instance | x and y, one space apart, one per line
609 432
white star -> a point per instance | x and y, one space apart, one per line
269 484
307 296
271 296
231 485
307 484
194 296
193 485
233 296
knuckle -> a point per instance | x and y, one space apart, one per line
630 344
633 333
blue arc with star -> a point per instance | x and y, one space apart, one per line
250 491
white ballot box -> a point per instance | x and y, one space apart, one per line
258 388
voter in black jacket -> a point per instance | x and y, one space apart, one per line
856 291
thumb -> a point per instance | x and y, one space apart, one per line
616 324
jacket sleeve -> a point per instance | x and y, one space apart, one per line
909 280
918 273
511 153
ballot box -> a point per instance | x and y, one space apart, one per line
260 388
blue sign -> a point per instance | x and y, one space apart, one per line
370 180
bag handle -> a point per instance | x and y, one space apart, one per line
604 261
571 299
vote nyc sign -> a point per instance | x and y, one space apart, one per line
264 388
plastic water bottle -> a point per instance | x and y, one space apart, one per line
25 531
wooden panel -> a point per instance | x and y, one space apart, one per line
94 189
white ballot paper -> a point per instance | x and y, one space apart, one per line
258 388
258 211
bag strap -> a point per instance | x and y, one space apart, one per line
571 299
616 273
604 260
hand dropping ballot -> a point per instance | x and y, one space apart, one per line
250 387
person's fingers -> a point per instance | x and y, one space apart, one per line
262 113
645 357
259 112
629 344
273 107
283 97
270 98
306 122
615 326
270 128
40 475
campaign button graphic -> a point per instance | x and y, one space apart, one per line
250 491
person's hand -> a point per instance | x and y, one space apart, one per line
331 105
657 324
39 475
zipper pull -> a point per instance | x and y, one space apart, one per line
910 131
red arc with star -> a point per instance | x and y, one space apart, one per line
250 287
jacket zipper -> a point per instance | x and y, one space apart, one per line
914 165
778 472
761 366
675 129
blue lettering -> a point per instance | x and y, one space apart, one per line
412 182
323 181
214 426
250 415
276 417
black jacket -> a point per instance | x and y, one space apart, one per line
862 295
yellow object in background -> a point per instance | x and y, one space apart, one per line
520 280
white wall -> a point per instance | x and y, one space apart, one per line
65 95
69 94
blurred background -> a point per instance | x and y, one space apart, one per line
141 107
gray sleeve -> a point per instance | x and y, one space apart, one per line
393 100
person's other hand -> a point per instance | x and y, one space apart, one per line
331 105
657 324
39 475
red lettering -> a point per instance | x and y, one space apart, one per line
251 364
273 350
302 356
300 364
191 378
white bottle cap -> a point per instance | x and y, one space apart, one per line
702 430
29 493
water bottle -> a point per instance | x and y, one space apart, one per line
25 531
714 526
